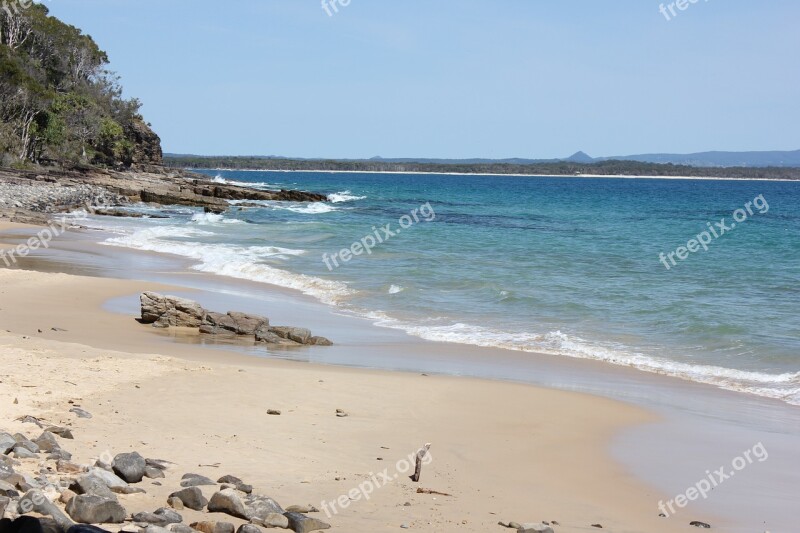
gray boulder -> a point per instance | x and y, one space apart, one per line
4 502
248 528
237 483
170 311
195 480
162 517
47 442
6 487
300 523
175 503
59 455
113 482
129 467
7 443
23 453
92 484
274 520
35 501
319 341
228 501
25 442
64 433
260 507
192 497
91 509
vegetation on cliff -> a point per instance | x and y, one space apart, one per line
59 103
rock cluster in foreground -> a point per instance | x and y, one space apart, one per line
171 311
37 479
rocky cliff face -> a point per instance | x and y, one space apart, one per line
147 145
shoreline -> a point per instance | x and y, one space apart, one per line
610 176
589 377
562 447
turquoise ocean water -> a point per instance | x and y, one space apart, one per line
566 266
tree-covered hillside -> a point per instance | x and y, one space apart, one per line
58 102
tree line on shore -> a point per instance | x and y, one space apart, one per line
58 101
560 168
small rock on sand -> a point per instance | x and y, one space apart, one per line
213 527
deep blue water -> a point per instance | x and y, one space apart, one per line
561 265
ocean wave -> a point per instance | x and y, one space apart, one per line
250 184
785 387
235 261
394 289
203 219
344 196
313 208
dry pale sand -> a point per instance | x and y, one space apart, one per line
504 451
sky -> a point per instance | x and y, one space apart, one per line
454 78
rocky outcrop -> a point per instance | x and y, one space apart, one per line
172 311
26 196
146 144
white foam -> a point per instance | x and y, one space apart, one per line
344 196
394 289
253 185
313 208
784 387
234 261
203 219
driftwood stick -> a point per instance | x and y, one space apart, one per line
430 491
420 457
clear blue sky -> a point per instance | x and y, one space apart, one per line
454 78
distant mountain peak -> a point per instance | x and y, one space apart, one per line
580 157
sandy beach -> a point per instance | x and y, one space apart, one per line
505 452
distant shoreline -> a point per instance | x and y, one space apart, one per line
578 176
